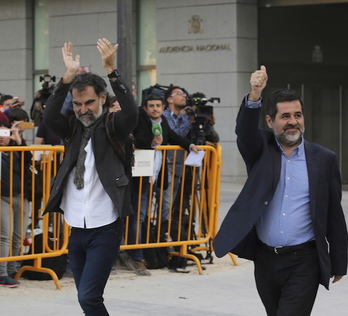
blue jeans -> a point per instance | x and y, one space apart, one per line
169 194
92 253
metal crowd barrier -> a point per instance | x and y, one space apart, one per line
191 224
55 235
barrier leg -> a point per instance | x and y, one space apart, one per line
183 253
38 268
233 258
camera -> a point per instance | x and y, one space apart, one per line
39 102
47 89
201 114
5 132
202 110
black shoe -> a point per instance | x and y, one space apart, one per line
8 282
12 275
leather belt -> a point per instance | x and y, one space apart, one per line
279 250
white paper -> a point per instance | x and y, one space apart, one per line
37 154
195 159
144 162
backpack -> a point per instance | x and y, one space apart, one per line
124 151
177 262
157 257
57 264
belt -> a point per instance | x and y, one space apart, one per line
279 250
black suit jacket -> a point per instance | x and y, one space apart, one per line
143 138
258 147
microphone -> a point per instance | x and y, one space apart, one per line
157 129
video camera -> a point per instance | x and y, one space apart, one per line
42 97
202 113
156 89
47 89
202 110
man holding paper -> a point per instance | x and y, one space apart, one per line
152 130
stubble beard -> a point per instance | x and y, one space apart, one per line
289 139
90 117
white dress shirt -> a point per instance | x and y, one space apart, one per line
91 206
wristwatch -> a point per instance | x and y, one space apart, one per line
114 74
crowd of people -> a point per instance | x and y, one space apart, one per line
288 218
92 187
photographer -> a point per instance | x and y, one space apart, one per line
40 100
178 120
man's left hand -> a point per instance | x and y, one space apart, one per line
108 54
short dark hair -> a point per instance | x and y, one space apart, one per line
86 79
5 124
5 97
169 92
153 96
19 115
282 95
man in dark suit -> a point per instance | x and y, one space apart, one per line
288 217
151 131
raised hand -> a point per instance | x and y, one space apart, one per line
16 133
72 64
258 82
108 54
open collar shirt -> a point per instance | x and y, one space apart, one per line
287 220
181 125
90 207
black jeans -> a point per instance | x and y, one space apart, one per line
92 253
287 283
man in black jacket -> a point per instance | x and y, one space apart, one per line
91 187
152 130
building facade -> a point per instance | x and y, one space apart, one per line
208 46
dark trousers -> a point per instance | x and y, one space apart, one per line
287 283
92 253
138 254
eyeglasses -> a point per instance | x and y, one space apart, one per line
178 93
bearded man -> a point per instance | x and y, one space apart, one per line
288 218
91 187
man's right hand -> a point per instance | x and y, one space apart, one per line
258 82
72 64
157 141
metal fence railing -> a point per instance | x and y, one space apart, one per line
189 225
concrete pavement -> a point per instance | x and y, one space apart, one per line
223 289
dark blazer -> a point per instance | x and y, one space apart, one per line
109 166
144 136
259 150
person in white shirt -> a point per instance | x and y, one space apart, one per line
91 187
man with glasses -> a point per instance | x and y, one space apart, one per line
175 113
